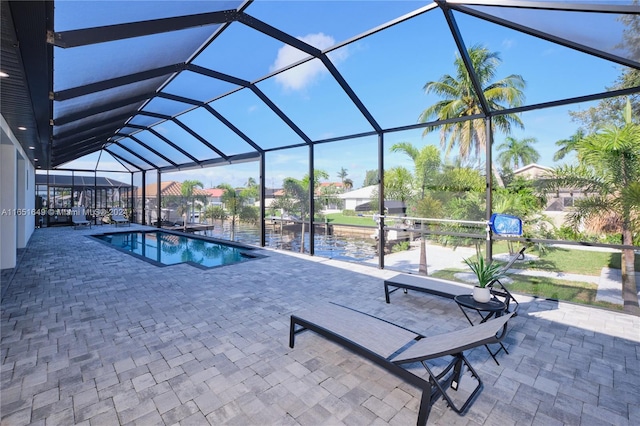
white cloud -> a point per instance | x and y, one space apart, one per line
508 43
302 76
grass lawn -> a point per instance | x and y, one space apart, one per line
574 261
340 219
549 288
559 259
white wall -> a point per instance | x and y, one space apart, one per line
17 197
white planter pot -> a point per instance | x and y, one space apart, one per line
481 295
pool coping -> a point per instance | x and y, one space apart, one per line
244 247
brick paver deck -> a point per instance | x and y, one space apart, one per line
93 336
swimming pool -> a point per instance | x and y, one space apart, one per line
168 248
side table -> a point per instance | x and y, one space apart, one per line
486 311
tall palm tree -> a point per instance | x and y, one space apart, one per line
609 175
460 100
187 190
426 162
342 174
568 145
515 152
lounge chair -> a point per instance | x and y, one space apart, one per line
119 219
449 289
79 217
396 348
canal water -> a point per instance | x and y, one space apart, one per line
355 249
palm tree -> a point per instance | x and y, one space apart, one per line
187 190
233 202
296 197
397 184
426 163
348 184
460 100
609 175
516 151
342 174
568 145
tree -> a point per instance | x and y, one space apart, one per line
328 195
371 177
609 175
348 184
397 184
342 174
233 202
187 190
568 145
517 152
296 197
460 100
215 212
426 163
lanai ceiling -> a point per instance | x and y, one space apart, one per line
156 84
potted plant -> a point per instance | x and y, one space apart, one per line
486 273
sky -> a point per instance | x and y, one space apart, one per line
386 70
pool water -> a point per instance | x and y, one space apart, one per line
167 248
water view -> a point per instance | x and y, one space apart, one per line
331 246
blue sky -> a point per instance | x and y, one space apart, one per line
387 71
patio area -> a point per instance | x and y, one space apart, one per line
94 336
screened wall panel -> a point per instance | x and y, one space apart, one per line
245 110
185 140
76 15
166 107
541 64
162 147
311 97
106 97
388 70
130 158
245 53
601 31
347 18
198 87
88 64
209 127
144 152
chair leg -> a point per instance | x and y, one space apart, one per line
452 380
425 405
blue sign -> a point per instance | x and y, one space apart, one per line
504 224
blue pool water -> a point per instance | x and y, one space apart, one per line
169 249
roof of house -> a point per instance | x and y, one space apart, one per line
214 192
533 170
170 188
364 192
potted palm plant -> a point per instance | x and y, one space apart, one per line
486 272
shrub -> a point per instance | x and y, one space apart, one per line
401 246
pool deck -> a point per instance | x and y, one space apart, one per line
93 336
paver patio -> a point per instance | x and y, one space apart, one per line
94 336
